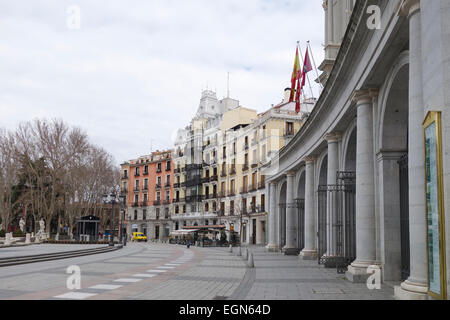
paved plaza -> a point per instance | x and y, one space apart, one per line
173 272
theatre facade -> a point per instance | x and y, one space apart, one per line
366 180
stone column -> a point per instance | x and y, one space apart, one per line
272 227
332 169
291 227
416 286
310 250
365 188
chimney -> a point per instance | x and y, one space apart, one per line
287 95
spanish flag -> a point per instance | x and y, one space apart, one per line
295 76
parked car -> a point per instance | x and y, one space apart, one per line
139 236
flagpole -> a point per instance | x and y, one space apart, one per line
301 66
314 62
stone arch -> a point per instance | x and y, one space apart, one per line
282 191
348 162
392 146
300 199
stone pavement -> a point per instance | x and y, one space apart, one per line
173 272
280 277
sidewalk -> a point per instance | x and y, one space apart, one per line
280 277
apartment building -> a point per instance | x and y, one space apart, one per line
148 185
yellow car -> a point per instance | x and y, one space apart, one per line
139 236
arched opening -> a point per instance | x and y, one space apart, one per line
345 195
300 201
322 210
282 215
393 177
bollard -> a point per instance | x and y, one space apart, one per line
7 241
231 248
251 263
246 253
239 252
28 238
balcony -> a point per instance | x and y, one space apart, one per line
144 204
205 180
145 188
158 170
253 187
137 174
158 186
196 198
135 204
244 190
157 202
245 167
190 167
223 174
136 189
214 178
245 147
261 185
232 170
167 185
166 202
231 193
125 177
254 165
145 173
124 190
168 168
177 185
222 194
178 200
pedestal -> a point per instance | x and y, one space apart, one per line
272 248
411 291
308 255
357 272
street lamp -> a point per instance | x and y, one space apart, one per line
112 200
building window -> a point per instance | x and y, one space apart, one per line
135 215
168 166
144 214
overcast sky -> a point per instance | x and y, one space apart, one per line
133 71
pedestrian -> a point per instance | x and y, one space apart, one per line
188 243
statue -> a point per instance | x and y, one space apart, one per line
41 226
22 224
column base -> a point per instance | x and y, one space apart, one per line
409 290
357 271
272 248
308 254
290 251
328 261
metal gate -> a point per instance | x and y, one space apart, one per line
322 223
300 204
345 220
404 216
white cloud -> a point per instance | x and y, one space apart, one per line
135 70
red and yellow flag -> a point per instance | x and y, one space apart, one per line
295 76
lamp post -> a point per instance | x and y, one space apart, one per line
112 200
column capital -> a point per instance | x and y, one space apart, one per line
310 159
290 173
364 96
273 183
325 4
332 137
408 8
